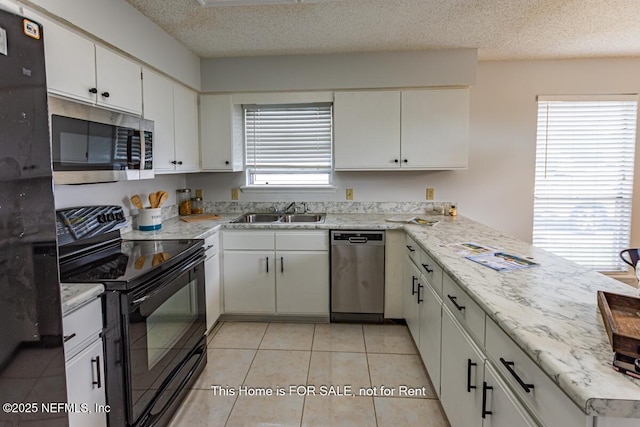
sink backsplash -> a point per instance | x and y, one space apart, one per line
329 207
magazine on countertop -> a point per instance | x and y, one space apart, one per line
491 257
415 220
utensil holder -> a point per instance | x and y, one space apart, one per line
150 219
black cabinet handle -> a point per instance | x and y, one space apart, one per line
419 298
426 267
267 264
105 94
396 160
508 365
410 248
174 162
226 162
455 302
413 285
96 360
469 365
485 387
68 337
93 90
180 162
281 264
406 161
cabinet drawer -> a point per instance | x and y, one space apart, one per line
412 249
212 244
302 240
81 327
468 313
431 271
248 240
544 398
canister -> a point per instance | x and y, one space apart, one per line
184 201
150 219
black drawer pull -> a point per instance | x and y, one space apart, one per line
267 264
508 365
485 387
410 248
96 360
105 94
469 365
419 298
413 285
68 337
93 90
281 264
455 302
426 267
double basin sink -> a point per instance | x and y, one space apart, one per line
271 218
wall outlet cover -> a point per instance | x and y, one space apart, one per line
234 194
430 193
349 193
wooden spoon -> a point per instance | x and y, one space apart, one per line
153 199
162 197
156 260
136 201
139 262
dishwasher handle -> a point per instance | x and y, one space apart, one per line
358 240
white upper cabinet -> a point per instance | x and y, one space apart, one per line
220 134
174 111
434 129
367 130
80 70
409 129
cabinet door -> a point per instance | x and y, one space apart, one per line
157 95
212 289
461 375
435 129
85 385
70 63
501 408
367 130
220 134
249 282
119 82
410 299
430 332
187 148
302 282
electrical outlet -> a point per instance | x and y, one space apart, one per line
430 193
349 193
234 194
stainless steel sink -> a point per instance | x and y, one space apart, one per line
311 218
269 218
257 218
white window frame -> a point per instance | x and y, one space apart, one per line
250 185
583 194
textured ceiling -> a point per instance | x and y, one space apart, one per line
500 29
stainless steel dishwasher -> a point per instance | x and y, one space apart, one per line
357 276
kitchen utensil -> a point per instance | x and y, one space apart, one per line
136 201
162 197
156 260
139 262
153 199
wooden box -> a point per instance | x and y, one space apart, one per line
621 316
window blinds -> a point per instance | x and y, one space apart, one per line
584 179
288 144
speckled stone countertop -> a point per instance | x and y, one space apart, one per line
549 310
75 295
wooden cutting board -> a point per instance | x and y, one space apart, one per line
203 217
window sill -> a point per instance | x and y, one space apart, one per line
289 189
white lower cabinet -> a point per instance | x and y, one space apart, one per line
212 279
84 365
411 306
276 272
500 407
430 320
462 375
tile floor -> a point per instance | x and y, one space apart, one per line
254 357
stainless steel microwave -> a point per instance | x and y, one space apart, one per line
90 144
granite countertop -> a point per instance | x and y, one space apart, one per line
75 295
549 310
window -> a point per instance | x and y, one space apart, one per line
288 145
584 178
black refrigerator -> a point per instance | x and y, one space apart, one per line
32 370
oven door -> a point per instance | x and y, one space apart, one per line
164 341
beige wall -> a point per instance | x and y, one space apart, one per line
497 189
